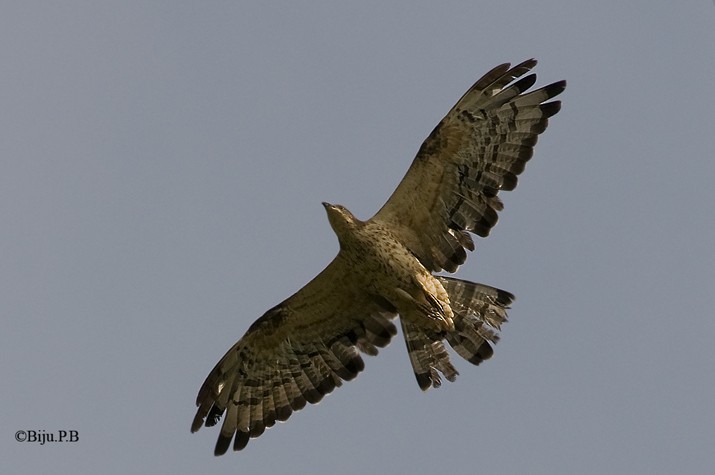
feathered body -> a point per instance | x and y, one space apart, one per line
303 348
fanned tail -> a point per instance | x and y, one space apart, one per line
428 356
479 311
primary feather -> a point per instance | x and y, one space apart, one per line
306 346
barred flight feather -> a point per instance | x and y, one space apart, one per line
302 349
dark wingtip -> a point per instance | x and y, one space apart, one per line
504 298
222 444
484 352
550 108
312 396
522 68
241 440
283 413
326 386
197 423
529 63
355 366
214 415
556 88
525 83
424 381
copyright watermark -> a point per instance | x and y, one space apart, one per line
42 436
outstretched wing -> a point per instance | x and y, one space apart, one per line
297 352
478 149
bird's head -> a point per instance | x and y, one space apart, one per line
341 220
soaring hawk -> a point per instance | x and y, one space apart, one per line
304 347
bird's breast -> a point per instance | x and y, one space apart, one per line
381 260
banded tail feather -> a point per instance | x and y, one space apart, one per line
479 311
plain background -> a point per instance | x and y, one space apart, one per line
162 166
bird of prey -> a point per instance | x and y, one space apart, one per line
307 345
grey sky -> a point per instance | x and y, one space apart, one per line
162 166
